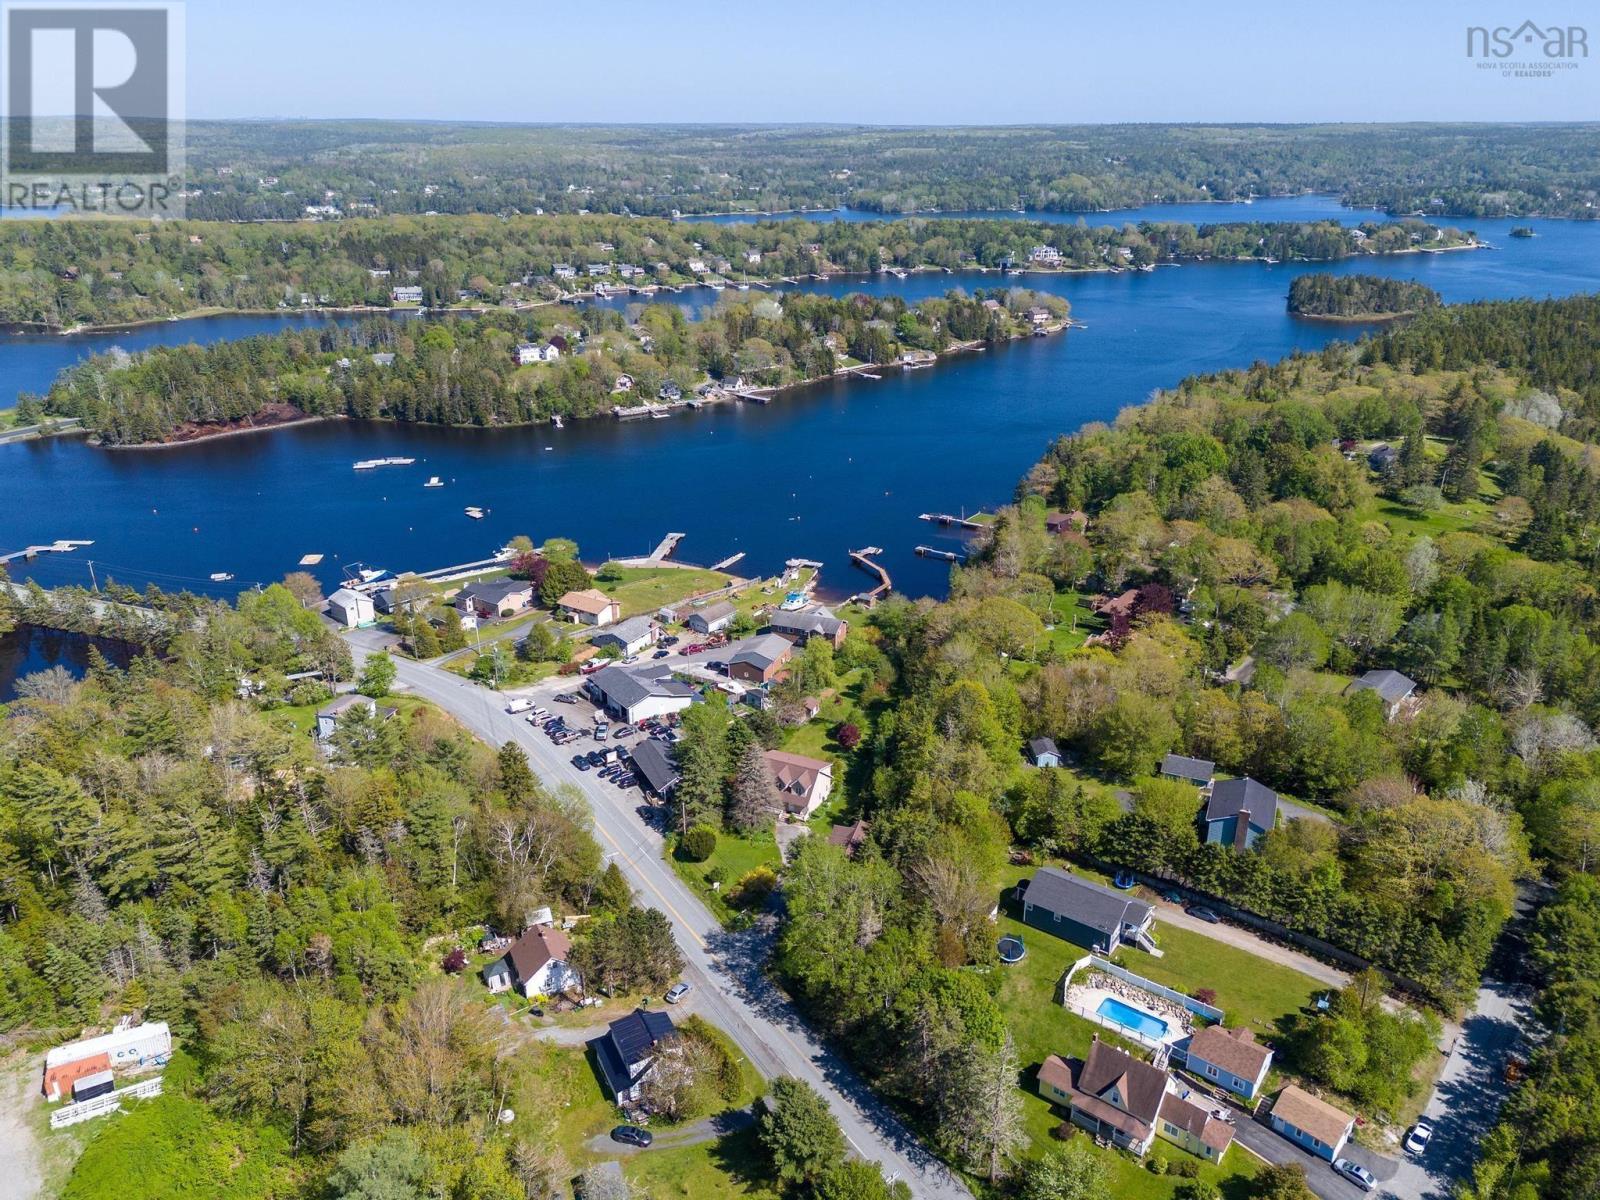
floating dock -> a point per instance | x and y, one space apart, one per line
946 555
59 546
949 519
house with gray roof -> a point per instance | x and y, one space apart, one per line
712 618
1089 914
655 763
1044 752
630 636
1239 811
634 694
491 597
760 658
1393 688
804 624
1198 771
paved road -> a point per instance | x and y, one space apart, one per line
726 969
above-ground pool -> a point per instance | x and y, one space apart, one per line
1152 1027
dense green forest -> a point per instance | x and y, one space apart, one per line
464 371
64 274
1358 296
1253 521
275 169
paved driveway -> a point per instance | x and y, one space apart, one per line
727 970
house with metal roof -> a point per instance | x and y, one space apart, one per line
712 618
630 636
627 1051
1084 912
1239 811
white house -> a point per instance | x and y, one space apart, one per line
630 636
351 608
406 294
564 271
804 783
127 1048
536 965
536 352
635 694
713 618
697 266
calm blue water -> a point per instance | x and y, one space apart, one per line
837 466
29 649
1133 1018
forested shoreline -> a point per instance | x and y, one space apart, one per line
76 274
465 370
1358 297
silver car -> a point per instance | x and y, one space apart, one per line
1356 1174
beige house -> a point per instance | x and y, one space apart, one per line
589 607
803 783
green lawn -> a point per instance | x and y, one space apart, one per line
732 1166
735 855
645 589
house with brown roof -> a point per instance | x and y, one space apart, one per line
849 838
589 607
1059 523
535 965
803 783
1129 1102
1311 1123
1230 1057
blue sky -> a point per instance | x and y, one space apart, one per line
875 61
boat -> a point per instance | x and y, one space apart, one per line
434 481
556 421
368 464
221 576
744 287
368 574
475 512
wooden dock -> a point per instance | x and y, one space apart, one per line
865 559
728 562
946 555
949 519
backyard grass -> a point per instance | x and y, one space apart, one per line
1072 621
302 718
732 1166
645 589
734 857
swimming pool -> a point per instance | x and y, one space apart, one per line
1125 1014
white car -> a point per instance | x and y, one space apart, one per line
676 992
1417 1140
1356 1174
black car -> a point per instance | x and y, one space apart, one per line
1201 913
717 664
632 1135
597 758
581 762
661 654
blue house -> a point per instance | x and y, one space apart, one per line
1311 1124
1089 914
1239 811
1044 752
1231 1058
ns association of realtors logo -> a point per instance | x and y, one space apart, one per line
1528 50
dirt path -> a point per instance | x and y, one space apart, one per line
22 1178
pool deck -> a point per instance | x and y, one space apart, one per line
1086 998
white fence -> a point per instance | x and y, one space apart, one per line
1209 1012
1127 1031
87 1110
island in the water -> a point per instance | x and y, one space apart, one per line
1326 297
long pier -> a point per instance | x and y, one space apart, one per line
864 558
949 519
59 546
946 555
727 562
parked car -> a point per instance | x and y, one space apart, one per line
716 664
1171 895
580 762
1201 913
676 992
669 641
519 705
566 698
661 654
632 1135
1417 1140
1356 1174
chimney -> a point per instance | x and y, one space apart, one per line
1241 831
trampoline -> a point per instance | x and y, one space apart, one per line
1011 949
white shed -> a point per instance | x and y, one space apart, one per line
350 608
